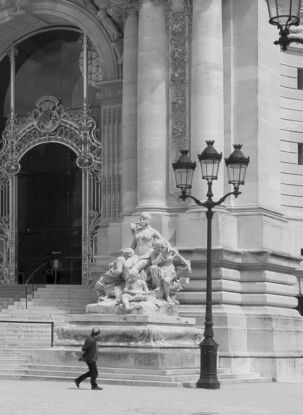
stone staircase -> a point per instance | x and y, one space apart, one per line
17 364
29 321
14 293
50 302
27 325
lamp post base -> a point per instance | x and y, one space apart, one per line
210 382
208 371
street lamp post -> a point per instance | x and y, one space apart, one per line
283 14
184 169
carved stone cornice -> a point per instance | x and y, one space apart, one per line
110 91
129 6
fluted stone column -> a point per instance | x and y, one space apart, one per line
207 117
129 113
152 106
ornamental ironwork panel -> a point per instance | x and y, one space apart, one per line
50 122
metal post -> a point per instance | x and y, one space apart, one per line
52 334
208 347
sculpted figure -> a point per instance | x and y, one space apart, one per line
143 238
163 272
112 282
102 9
146 274
135 290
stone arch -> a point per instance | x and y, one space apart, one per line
57 13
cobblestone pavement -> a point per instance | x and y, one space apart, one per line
62 398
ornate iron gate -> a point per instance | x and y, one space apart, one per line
49 122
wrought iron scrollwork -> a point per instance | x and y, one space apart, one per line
50 122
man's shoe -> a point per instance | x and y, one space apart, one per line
77 383
97 388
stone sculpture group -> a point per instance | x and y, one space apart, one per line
145 276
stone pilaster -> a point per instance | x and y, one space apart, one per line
152 106
129 113
207 118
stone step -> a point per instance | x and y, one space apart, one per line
59 305
38 309
12 362
182 373
14 291
121 376
58 297
15 366
257 379
130 382
101 381
63 307
123 373
26 334
27 326
32 317
53 294
27 345
13 353
28 338
65 289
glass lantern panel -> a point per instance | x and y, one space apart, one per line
189 178
184 178
284 12
236 173
209 169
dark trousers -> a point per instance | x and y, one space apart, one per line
92 374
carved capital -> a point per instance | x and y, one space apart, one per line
129 8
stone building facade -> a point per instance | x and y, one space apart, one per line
165 75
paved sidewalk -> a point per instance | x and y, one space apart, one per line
62 398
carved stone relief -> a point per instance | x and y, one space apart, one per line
179 38
109 13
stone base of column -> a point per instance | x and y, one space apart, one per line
254 301
273 346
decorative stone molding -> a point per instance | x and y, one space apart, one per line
178 58
179 20
110 91
109 13
126 7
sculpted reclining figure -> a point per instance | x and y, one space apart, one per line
112 282
163 272
135 290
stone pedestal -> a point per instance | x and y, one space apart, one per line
136 341
130 331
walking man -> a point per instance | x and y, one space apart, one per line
90 357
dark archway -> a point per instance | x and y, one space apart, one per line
49 216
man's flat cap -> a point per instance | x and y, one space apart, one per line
95 331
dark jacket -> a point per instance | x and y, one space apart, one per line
90 350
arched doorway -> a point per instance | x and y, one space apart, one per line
49 206
56 65
50 123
